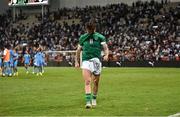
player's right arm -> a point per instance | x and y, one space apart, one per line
77 58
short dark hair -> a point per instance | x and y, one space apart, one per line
7 46
91 26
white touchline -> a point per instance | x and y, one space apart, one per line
175 115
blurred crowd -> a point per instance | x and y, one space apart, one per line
143 31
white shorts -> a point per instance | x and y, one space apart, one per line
93 65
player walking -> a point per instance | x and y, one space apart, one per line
91 44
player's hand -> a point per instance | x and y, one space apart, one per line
106 58
77 65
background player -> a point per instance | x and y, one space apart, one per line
16 56
1 62
43 61
26 60
6 62
11 61
38 62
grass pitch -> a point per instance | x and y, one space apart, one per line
123 92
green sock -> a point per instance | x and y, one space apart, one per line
88 97
94 96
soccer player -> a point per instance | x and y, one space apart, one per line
11 61
0 62
38 62
16 56
91 44
26 60
43 61
6 62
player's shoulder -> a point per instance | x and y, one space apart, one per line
84 36
99 35
11 51
96 34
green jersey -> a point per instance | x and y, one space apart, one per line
91 45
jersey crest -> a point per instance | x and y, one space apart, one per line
91 41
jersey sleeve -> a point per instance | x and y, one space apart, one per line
12 53
81 41
5 52
103 39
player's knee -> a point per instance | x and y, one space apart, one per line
87 82
96 83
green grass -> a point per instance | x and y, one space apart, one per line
123 92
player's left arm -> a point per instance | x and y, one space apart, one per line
106 51
105 48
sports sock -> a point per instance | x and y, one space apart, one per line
94 96
88 97
26 69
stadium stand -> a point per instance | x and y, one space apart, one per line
144 31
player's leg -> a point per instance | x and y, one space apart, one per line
96 76
95 80
26 65
28 68
34 69
87 80
1 70
8 67
15 69
37 70
4 69
11 69
40 70
0 66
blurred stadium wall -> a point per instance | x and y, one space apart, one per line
55 4
3 5
82 3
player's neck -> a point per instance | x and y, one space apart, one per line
91 32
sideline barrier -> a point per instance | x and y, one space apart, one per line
143 64
124 64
